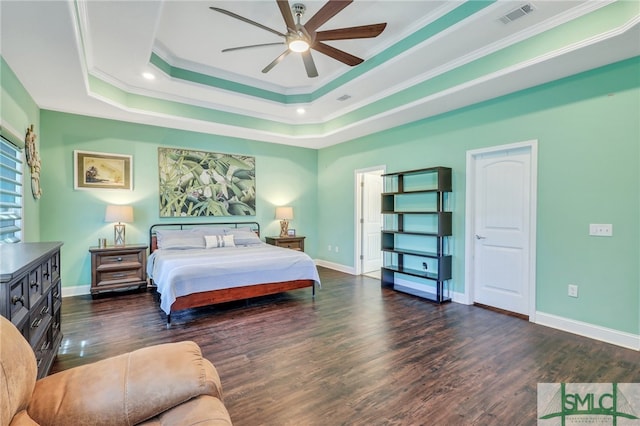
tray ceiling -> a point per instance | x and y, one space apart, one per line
88 57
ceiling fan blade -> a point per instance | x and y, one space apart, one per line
364 31
231 49
285 10
248 21
276 61
326 12
337 54
309 64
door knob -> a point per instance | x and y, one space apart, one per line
480 237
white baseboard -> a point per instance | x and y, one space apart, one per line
336 266
608 335
78 290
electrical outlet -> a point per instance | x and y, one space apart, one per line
337 249
601 229
573 290
329 247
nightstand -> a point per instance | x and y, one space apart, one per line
294 243
116 268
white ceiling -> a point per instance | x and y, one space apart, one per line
87 57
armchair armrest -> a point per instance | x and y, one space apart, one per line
126 389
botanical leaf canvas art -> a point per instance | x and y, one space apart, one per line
200 183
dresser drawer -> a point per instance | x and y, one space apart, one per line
35 286
118 260
295 245
39 321
42 349
45 275
19 299
121 276
56 295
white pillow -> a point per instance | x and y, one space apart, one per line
215 241
179 239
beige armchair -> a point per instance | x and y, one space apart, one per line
169 384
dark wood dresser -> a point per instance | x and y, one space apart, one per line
31 296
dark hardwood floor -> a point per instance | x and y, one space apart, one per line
356 355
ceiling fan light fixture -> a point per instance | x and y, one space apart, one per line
298 45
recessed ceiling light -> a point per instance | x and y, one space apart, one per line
148 76
301 111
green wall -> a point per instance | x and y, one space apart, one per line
588 132
18 111
284 176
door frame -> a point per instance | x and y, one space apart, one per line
470 219
357 176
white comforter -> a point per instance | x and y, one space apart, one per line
181 272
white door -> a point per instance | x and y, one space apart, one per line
502 224
371 221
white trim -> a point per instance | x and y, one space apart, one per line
336 266
358 175
469 219
78 290
604 334
10 134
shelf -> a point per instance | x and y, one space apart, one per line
443 274
413 272
422 234
443 173
416 191
428 254
444 225
417 226
411 212
423 294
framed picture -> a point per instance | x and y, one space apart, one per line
202 183
291 232
99 170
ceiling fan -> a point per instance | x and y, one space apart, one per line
301 38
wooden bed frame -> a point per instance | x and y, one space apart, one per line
212 297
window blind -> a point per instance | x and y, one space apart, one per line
11 192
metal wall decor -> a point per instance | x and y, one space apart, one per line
33 161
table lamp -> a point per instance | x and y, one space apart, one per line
284 214
118 214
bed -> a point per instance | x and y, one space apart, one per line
193 265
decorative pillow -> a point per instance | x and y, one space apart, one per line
179 239
245 238
215 241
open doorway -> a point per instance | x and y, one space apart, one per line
369 186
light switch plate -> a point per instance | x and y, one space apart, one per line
601 229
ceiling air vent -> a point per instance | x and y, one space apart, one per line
517 13
344 98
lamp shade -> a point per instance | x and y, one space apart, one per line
119 214
284 213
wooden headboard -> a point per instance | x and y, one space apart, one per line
153 243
